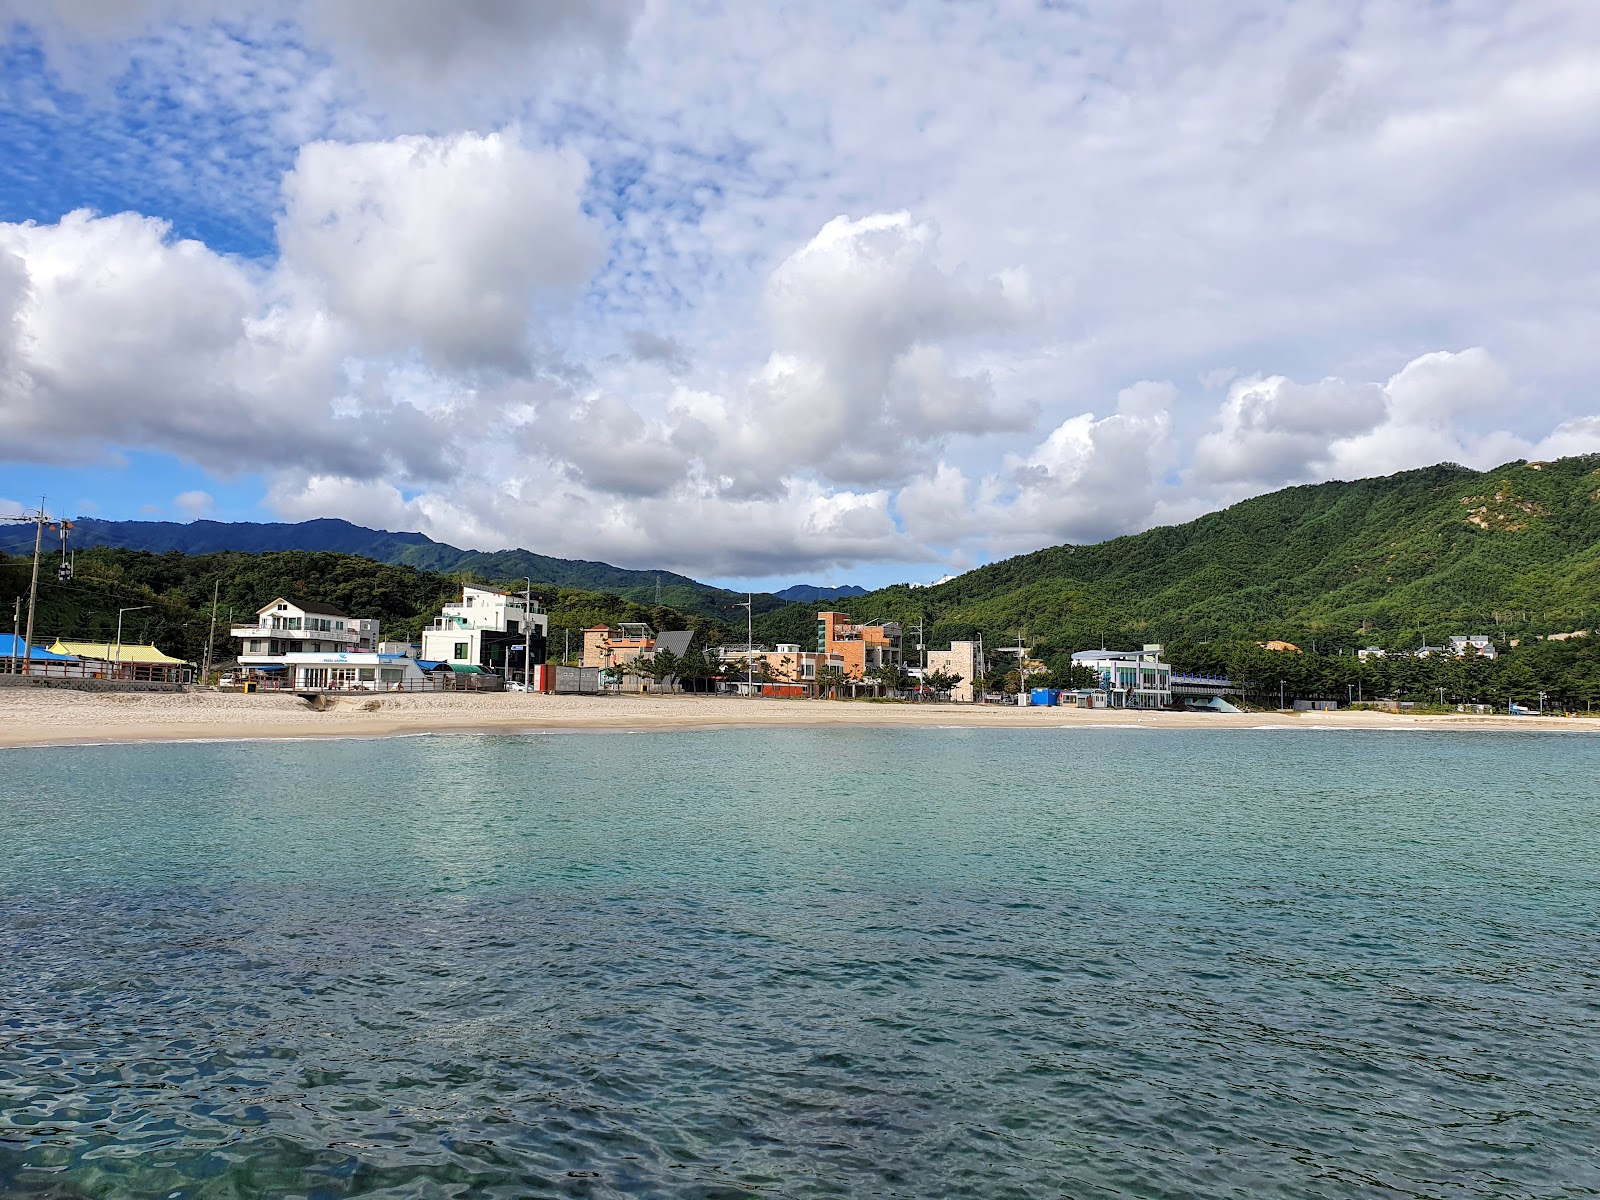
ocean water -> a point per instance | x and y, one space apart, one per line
1078 962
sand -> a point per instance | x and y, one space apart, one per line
51 716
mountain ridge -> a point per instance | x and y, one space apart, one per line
409 549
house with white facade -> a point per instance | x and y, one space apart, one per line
1130 678
490 630
1476 643
285 627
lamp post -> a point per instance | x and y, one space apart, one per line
527 633
1280 695
1441 697
1542 695
748 604
120 611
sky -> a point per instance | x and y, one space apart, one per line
822 292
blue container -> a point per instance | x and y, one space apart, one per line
1042 697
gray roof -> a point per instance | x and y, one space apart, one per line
678 641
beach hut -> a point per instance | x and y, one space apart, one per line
39 660
129 660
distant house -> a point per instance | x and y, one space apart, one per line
1370 652
1476 643
353 671
490 630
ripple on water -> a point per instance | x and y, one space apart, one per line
803 964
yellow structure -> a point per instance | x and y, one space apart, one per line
127 661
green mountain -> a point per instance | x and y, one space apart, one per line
1397 561
649 588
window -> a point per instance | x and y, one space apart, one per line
460 654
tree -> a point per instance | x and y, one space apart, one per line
658 667
891 677
941 682
830 679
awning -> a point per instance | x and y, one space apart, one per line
279 667
466 669
429 666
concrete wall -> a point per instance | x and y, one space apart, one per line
87 685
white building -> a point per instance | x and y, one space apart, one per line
488 629
1477 642
1130 678
357 672
284 627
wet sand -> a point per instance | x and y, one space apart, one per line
40 716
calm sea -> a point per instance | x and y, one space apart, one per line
1087 962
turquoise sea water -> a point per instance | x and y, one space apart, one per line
1088 962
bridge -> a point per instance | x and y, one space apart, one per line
1202 686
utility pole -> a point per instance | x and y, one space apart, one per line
120 611
211 639
33 588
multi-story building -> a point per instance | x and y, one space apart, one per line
1130 678
863 648
304 627
788 664
490 630
961 659
609 647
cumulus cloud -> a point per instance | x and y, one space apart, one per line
1441 406
195 503
443 244
1090 478
632 323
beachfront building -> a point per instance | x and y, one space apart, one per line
863 648
356 671
782 671
961 659
37 660
491 630
301 627
126 661
1130 678
613 647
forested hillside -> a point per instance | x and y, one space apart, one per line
178 590
1395 561
397 549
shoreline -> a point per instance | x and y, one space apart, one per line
35 718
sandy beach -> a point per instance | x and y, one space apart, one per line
33 717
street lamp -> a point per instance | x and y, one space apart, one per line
748 604
1280 695
1542 695
120 611
1441 697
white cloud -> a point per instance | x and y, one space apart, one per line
195 503
442 244
575 275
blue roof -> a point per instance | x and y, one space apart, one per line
11 644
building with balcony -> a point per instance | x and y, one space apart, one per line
490 629
305 627
1130 678
863 648
610 647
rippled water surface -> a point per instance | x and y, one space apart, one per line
804 963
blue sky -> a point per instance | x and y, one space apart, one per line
843 293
